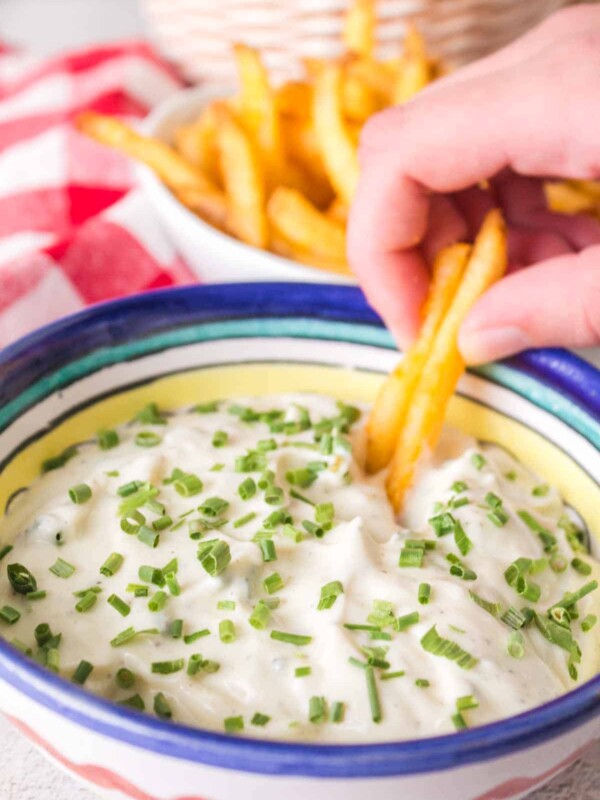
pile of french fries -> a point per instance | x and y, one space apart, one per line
277 167
410 408
573 197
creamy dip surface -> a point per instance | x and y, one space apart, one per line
259 583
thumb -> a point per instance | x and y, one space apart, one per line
556 303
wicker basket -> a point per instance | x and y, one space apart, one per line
196 34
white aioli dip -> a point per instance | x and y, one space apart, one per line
361 551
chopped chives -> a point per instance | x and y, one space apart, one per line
478 461
373 694
247 488
424 544
147 536
206 408
541 490
411 557
147 439
380 635
226 605
302 477
267 549
176 629
467 702
274 495
293 533
150 415
498 516
220 438
511 475
435 644
53 659
588 622
40 594
547 538
162 708
151 575
424 593
324 513
278 517
459 721
86 602
404 622
260 719
162 523
4 551
83 670
311 527
291 638
130 488
190 638
215 558
442 524
226 631
558 563
132 522
580 566
298 496
527 590
80 494
135 701
265 445
572 598
492 608
459 502
260 616
317 710
119 605
233 724
422 683
461 540
167 667
55 462
125 678
213 507
62 569
172 583
273 583
516 644
188 485
112 565
458 487
253 461
157 601
9 615
302 672
492 500
355 627
245 519
388 676
128 634
42 634
329 594
107 439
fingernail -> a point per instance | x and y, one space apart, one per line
478 346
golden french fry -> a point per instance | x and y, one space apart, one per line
211 206
395 396
244 181
359 100
282 247
338 211
571 197
415 70
258 111
304 226
336 144
378 76
316 188
589 187
197 143
444 364
359 28
294 99
168 164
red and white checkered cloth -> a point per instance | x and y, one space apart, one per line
73 229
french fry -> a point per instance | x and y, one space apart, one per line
197 143
168 164
379 77
338 211
282 247
211 206
336 144
316 188
294 99
258 111
359 28
394 398
415 70
444 365
572 197
359 100
304 226
244 181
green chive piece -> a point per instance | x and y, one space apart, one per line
301 497
245 519
265 445
260 719
151 575
147 439
459 502
162 523
541 490
215 558
226 605
324 514
558 563
291 638
172 584
62 569
459 721
4 551
382 614
519 568
273 583
227 631
274 495
404 622
151 415
162 708
315 530
317 710
276 518
459 569
302 477
424 593
53 659
422 683
461 540
373 694
588 622
267 549
492 608
134 702
188 485
251 462
498 516
411 557
147 536
112 565
293 533
190 638
132 522
42 633
558 635
128 634
87 602
84 668
107 439
80 494
467 702
260 616
176 629
125 678
478 461
442 524
302 672
157 601
9 615
247 489
213 507
167 667
548 539
206 408
516 644
220 438
580 566
388 676
119 605
329 594
55 462
435 644
233 724
570 599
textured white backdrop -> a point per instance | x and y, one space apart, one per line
49 26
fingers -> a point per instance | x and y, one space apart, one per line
556 303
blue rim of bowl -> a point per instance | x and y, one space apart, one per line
142 316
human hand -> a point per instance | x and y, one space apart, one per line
528 112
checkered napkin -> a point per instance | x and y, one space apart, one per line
73 228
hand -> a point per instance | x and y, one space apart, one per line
528 112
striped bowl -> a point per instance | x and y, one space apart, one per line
183 346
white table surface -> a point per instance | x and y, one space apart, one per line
48 26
